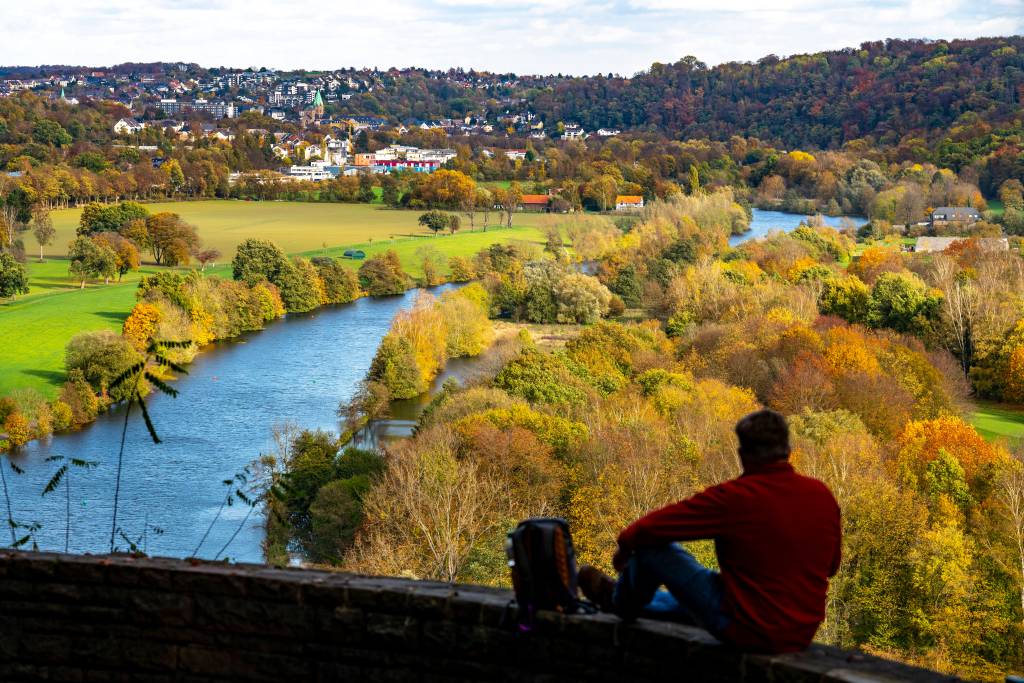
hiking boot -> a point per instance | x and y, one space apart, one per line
597 587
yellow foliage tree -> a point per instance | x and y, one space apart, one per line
141 324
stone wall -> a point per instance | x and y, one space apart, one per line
97 618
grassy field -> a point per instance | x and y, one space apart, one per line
412 250
999 421
295 226
35 328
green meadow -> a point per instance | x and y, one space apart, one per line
999 421
295 226
35 328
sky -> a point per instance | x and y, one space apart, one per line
524 36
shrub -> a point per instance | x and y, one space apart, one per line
44 421
101 356
141 325
581 299
847 298
382 275
17 428
462 269
7 406
62 415
541 378
413 351
341 285
80 397
469 331
268 300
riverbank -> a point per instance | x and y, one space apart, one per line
237 395
37 327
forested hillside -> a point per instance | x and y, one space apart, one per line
887 90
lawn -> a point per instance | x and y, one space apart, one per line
999 421
295 226
35 328
34 331
412 250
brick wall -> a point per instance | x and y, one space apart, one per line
96 618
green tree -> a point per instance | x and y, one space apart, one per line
257 260
300 286
48 132
88 259
848 298
435 221
13 277
902 302
98 218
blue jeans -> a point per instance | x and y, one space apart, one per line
694 592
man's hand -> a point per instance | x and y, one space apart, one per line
620 558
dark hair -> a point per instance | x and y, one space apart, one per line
764 436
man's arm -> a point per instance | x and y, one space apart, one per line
838 556
704 515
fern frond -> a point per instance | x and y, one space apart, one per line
55 480
147 420
161 385
84 464
130 371
168 363
171 344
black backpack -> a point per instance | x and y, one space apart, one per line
543 565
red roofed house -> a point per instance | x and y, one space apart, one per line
629 202
535 202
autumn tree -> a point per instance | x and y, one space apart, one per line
43 230
172 240
206 257
126 254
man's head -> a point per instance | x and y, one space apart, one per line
764 438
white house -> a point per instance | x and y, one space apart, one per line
573 132
629 202
128 127
315 171
516 154
608 132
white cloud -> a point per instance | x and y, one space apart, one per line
543 36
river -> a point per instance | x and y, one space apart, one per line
297 370
762 222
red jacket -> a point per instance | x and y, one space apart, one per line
777 537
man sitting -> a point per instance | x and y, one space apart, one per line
777 538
